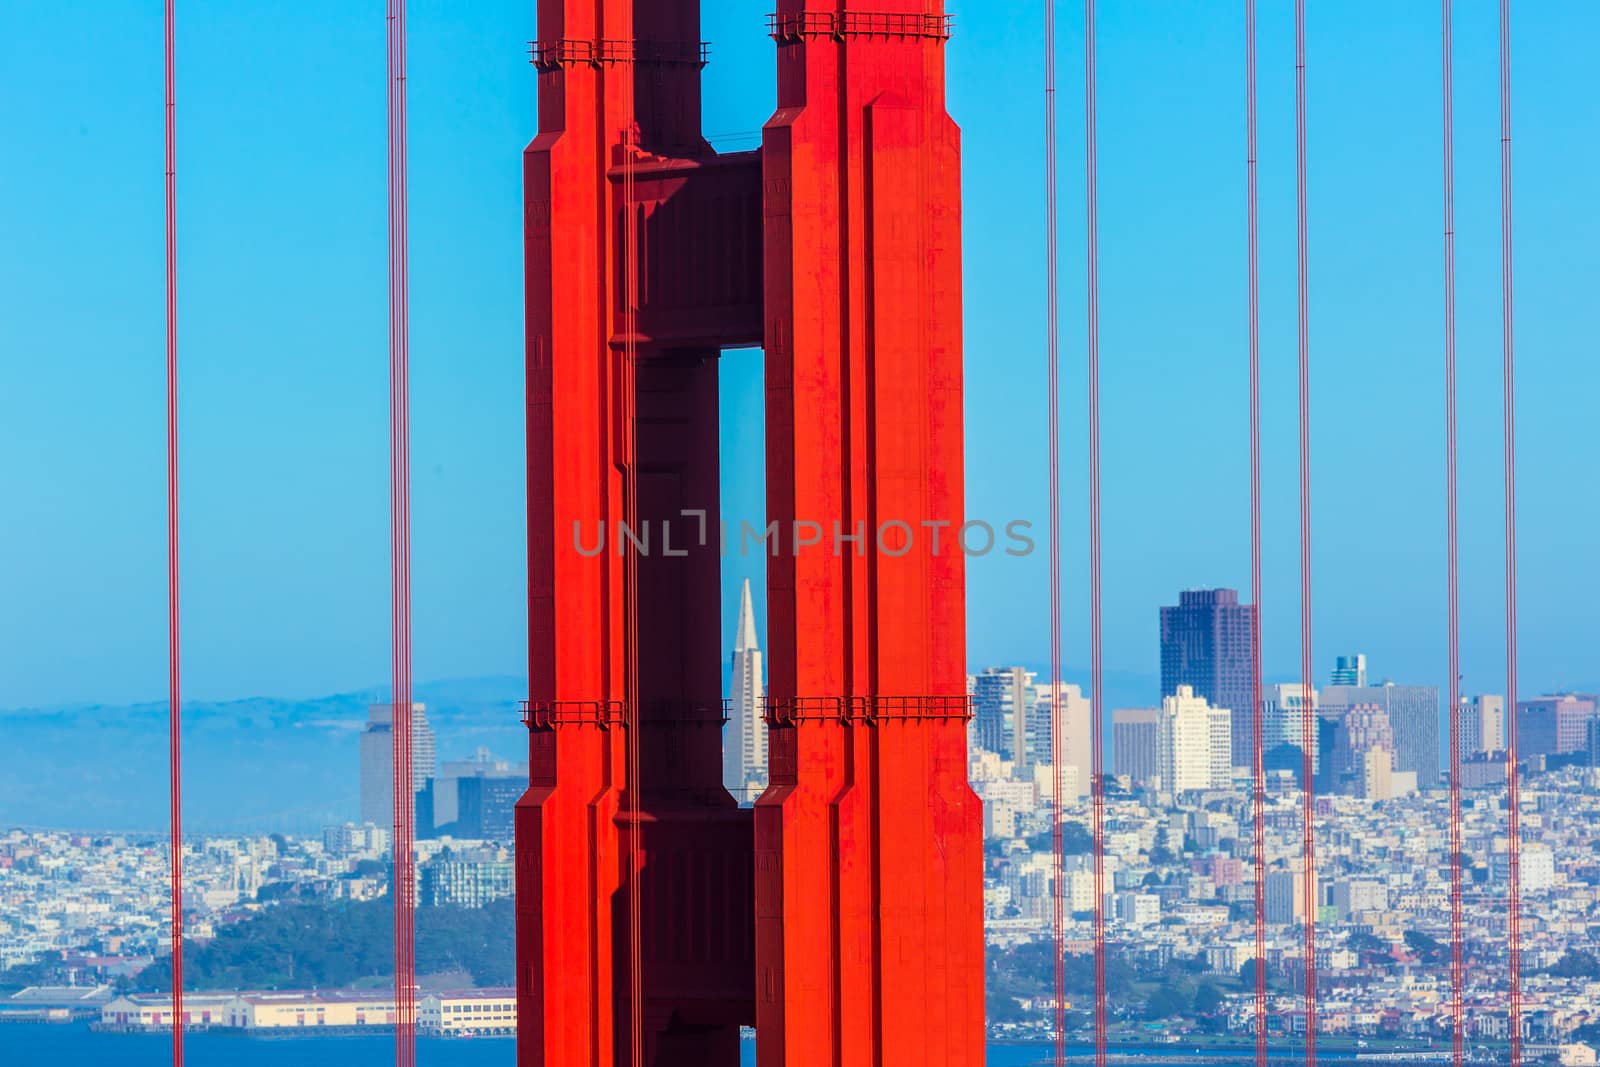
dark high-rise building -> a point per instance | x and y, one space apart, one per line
476 807
1208 642
1594 742
1413 712
486 808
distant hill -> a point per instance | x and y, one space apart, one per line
249 765
263 764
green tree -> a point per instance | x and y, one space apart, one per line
1365 942
1208 999
1426 948
1577 964
1075 840
1168 1001
335 945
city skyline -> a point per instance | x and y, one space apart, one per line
822 290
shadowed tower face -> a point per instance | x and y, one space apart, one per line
843 915
744 745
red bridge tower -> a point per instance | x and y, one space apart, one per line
844 920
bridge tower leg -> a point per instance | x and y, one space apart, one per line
869 934
624 645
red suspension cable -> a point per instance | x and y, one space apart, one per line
1308 712
1096 689
174 645
1452 539
1508 341
635 738
403 845
1258 779
1058 752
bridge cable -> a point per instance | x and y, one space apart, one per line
1452 553
174 644
1508 343
1096 656
1258 778
1308 712
1053 375
403 889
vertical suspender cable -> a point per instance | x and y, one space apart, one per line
1058 754
174 648
1308 716
1508 340
630 392
1452 542
1258 763
404 885
1096 686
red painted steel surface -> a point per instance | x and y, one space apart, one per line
625 649
868 843
846 920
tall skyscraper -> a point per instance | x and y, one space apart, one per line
377 761
1002 698
1284 709
1076 734
744 749
1195 743
1208 643
1483 725
1350 670
1413 711
1136 744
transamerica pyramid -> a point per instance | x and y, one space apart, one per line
744 745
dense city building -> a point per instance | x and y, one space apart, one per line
1413 712
1554 725
1076 733
1285 711
474 799
1483 725
1136 744
470 878
1365 750
1014 717
1208 643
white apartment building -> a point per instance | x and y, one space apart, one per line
1195 743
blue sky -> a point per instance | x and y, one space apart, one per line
282 223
